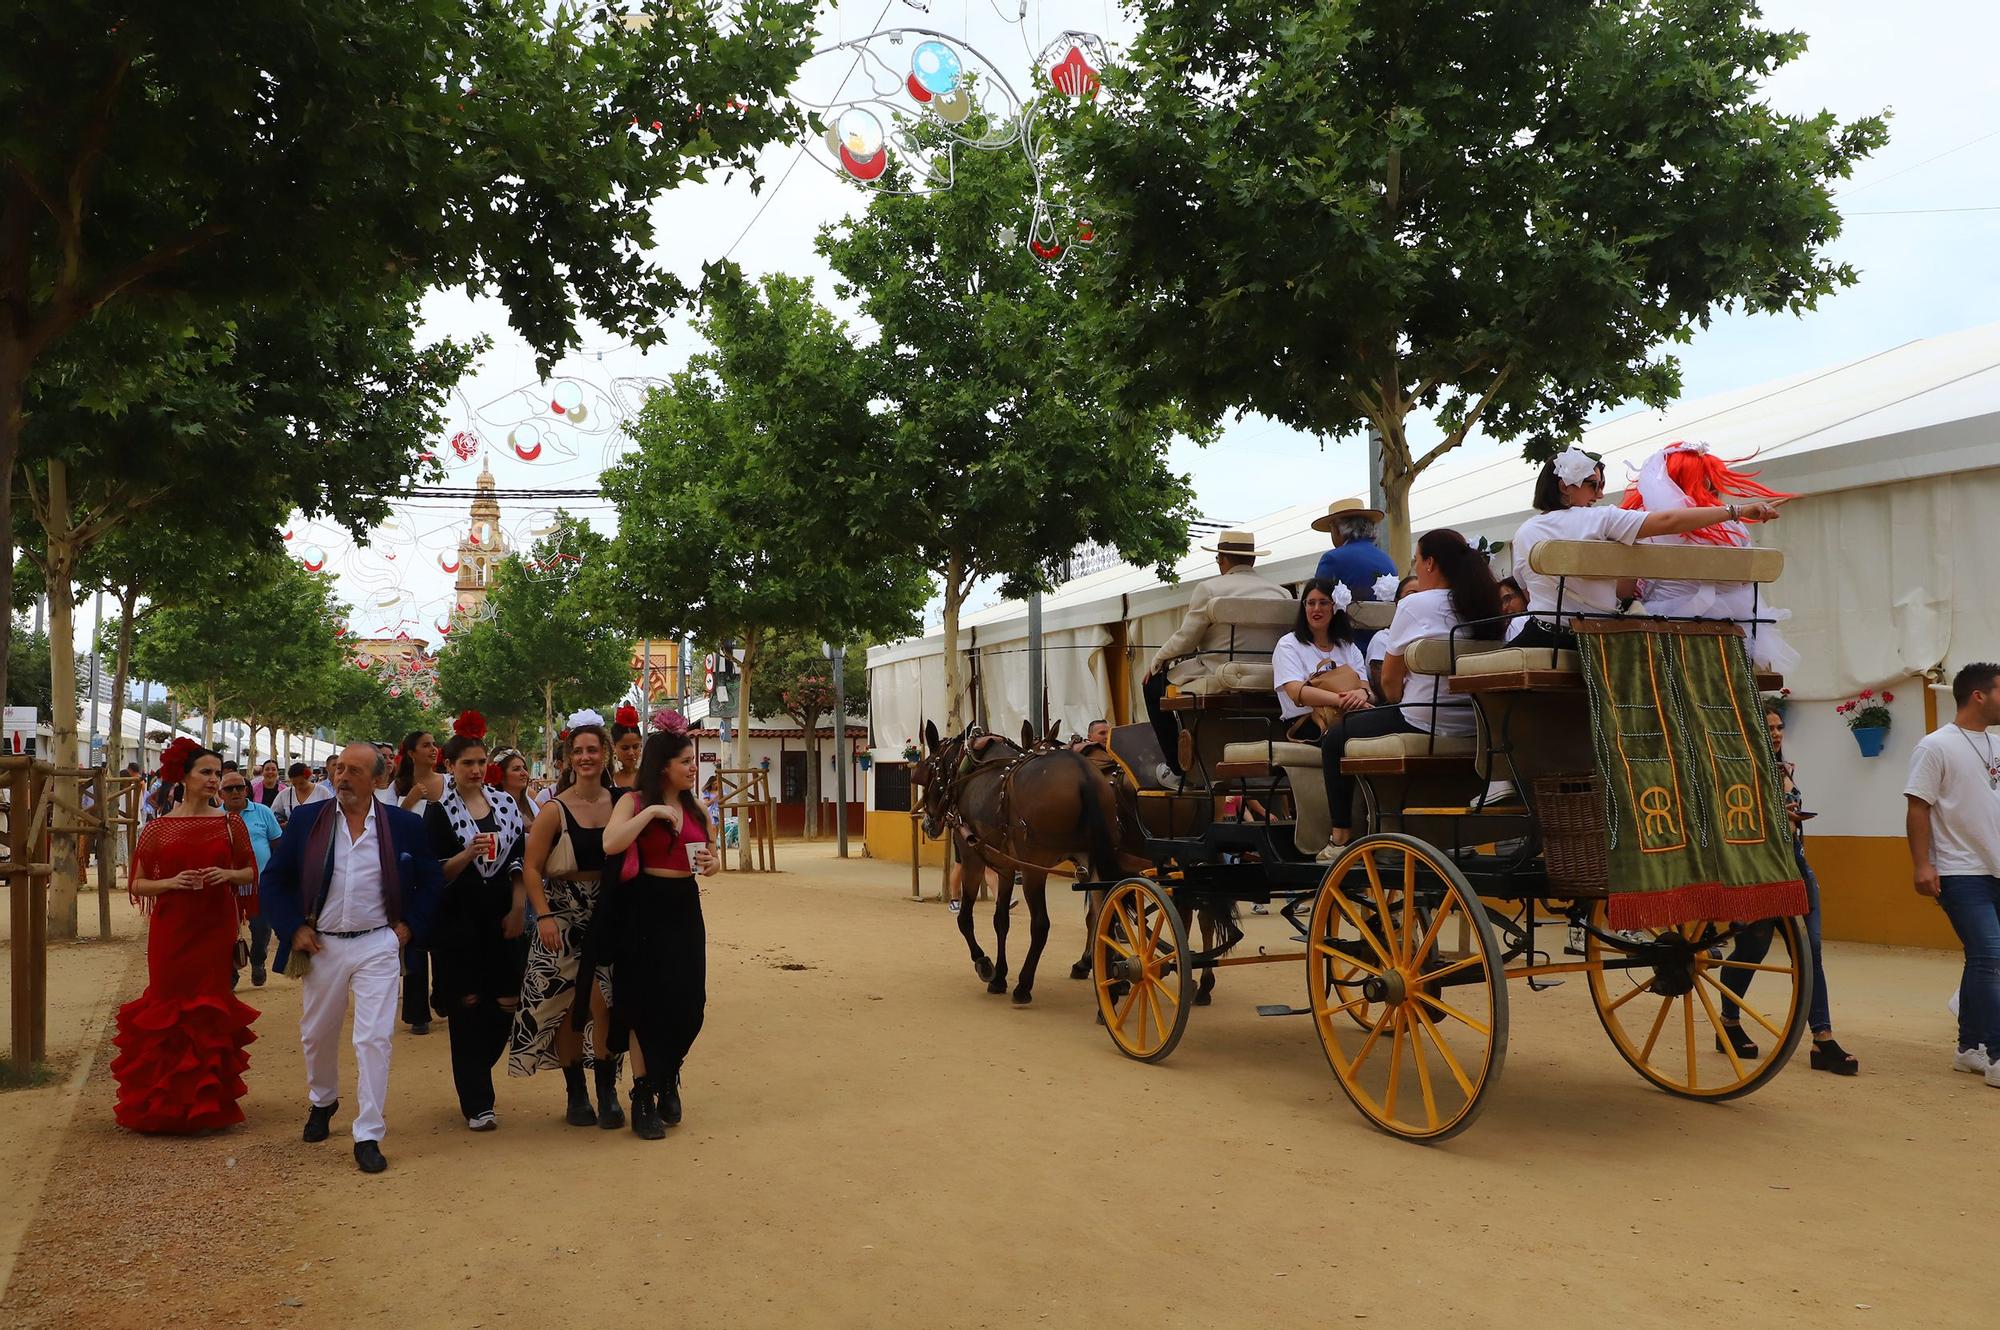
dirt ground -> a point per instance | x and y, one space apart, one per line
873 1140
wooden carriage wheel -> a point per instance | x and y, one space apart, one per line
1665 1018
1395 909
1143 988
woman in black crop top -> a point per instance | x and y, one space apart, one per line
563 906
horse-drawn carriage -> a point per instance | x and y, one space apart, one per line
1650 854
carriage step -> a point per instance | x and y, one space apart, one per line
1280 1009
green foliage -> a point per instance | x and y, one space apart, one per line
356 705
796 679
1334 213
758 497
546 647
1002 449
28 680
262 650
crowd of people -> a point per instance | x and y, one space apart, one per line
553 928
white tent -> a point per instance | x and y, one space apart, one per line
1897 456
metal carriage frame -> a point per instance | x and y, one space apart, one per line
1410 936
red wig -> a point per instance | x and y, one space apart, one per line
1709 482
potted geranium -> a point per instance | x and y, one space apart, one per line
910 750
1868 720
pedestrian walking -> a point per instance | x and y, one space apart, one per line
477 948
351 882
1953 827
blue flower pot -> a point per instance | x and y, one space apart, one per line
1871 738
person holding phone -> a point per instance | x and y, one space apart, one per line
478 950
658 944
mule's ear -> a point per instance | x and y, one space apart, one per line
931 735
1055 731
1027 735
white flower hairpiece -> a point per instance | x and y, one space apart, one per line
583 717
1385 586
1574 466
1342 596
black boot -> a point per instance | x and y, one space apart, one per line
646 1124
580 1113
670 1099
609 1115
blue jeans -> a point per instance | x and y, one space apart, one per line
1754 943
1973 905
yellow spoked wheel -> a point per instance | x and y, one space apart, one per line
1143 988
1666 1010
1395 910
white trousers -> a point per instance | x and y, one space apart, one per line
370 967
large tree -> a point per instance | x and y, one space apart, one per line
301 153
543 642
761 498
796 680
1004 451
1340 213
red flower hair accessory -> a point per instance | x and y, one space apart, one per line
496 773
174 760
668 721
469 725
626 717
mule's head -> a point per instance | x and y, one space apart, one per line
930 777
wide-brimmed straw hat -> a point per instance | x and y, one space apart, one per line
1239 544
1345 508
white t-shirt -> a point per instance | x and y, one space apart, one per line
1293 661
1590 595
1419 615
1948 772
1378 647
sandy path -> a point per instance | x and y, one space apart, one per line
875 1141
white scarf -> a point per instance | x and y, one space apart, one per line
507 817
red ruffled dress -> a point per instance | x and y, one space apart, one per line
182 1043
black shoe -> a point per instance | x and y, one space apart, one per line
257 975
317 1120
646 1124
368 1157
1745 1046
670 1100
235 978
609 1115
420 1027
579 1113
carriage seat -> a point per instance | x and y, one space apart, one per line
1254 623
1233 676
1608 559
1311 824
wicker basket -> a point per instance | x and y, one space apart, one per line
1570 809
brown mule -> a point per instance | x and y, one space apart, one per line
1017 812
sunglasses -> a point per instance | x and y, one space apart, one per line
234 789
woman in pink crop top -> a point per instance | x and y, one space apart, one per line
659 944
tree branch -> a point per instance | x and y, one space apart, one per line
1417 393
95 134
71 309
1457 436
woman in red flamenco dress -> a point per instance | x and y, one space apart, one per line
182 1042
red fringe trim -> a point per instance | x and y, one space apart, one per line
1706 902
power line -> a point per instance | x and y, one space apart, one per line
1918 212
1969 143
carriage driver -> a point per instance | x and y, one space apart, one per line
1236 554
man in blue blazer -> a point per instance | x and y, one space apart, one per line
350 883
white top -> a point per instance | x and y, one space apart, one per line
354 895
1378 647
288 801
1419 615
1589 595
386 795
1293 661
1949 772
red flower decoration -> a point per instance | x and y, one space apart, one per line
495 774
1888 696
626 717
173 761
469 725
465 444
1867 693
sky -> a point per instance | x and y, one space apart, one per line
1920 217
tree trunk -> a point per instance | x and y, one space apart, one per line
208 720
1396 542
59 569
250 750
13 386
739 750
954 688
549 724
812 778
121 680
